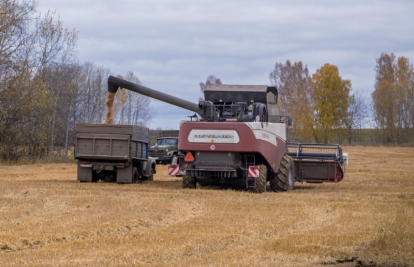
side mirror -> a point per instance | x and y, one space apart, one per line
156 146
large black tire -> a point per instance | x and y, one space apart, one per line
134 175
261 180
109 177
189 182
95 177
284 180
151 176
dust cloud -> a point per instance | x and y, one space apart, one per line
110 105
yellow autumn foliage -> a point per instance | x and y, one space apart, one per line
330 94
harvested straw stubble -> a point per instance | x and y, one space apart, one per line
110 105
48 219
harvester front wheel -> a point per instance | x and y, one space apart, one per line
285 178
261 180
189 182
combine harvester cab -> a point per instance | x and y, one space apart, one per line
237 139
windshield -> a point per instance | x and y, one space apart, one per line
167 142
161 142
171 142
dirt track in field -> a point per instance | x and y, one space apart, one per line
48 218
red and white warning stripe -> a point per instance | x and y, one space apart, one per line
254 171
173 169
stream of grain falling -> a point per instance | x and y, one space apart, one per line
110 105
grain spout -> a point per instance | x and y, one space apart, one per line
110 108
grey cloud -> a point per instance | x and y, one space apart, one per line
173 45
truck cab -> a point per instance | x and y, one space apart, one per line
165 148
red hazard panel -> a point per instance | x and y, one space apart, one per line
254 171
189 157
173 169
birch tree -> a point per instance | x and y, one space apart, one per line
357 113
393 98
295 100
132 108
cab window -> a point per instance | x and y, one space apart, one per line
161 142
171 142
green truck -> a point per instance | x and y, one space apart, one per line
166 147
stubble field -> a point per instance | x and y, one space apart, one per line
48 218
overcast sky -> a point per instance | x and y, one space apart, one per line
173 45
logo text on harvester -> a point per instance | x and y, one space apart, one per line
213 136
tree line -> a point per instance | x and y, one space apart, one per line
325 108
45 90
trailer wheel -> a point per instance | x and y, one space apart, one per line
261 180
134 175
109 177
284 180
151 176
95 177
189 182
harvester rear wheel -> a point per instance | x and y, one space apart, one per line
189 182
261 180
285 178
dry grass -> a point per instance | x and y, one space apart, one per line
47 218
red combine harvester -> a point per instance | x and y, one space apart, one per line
238 138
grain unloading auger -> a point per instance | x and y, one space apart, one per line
239 139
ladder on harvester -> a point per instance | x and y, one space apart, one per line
249 160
